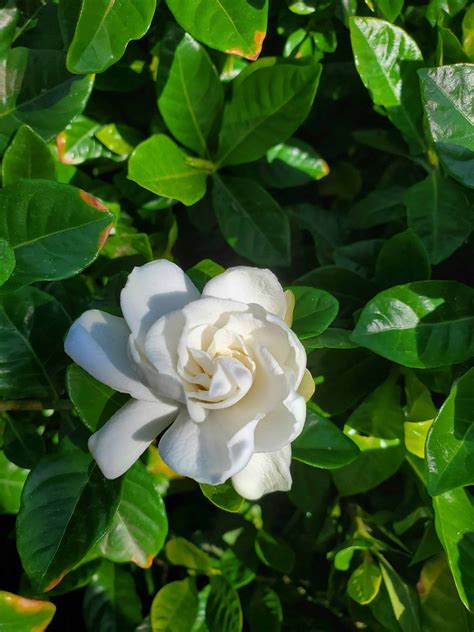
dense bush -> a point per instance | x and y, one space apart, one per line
331 141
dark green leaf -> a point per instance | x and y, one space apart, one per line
12 480
450 442
7 261
274 552
250 126
27 157
378 207
55 230
21 443
420 325
402 259
8 22
203 272
77 142
265 611
103 31
332 338
252 221
314 311
403 599
223 610
66 506
175 607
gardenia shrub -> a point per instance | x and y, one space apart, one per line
236 315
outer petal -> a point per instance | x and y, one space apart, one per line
282 425
128 433
265 473
209 452
152 291
97 342
249 285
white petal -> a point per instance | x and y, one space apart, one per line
282 425
152 291
128 433
209 452
249 285
98 342
265 473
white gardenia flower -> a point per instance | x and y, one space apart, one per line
221 373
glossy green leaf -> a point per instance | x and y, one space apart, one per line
104 29
120 139
343 558
415 436
402 259
223 496
203 272
95 402
12 480
322 444
22 444
265 611
442 214
175 607
55 229
299 157
223 610
468 33
66 506
183 553
7 261
448 108
8 22
454 517
32 326
390 9
19 614
160 166
111 603
364 583
39 92
274 552
387 59
403 599
314 311
420 325
28 156
450 443
77 142
139 527
192 96
332 338
235 27
252 221
250 127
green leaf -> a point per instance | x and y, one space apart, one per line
39 92
160 166
441 213
274 552
450 118
314 311
32 326
250 127
332 338
223 496
28 156
22 444
192 97
380 206
402 597
390 9
77 142
12 480
238 572
223 610
252 221
364 583
55 229
438 597
66 507
139 528
19 614
454 517
8 22
104 29
111 602
468 33
343 558
415 436
300 157
175 607
402 259
450 443
420 325
236 27
120 139
7 261
387 59
322 444
183 553
265 611
204 271
95 402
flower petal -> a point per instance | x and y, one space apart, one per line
282 425
153 290
265 473
249 285
128 433
98 342
208 452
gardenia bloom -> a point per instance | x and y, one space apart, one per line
222 373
